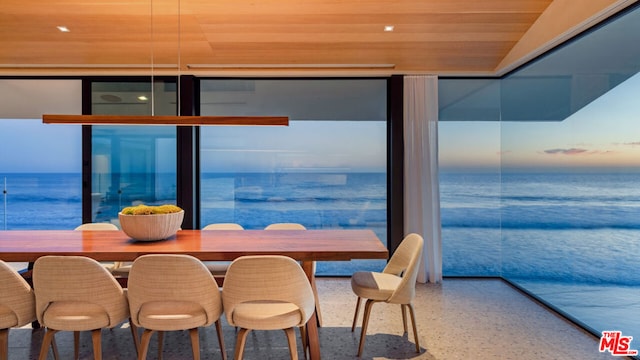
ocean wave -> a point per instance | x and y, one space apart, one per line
42 198
539 226
567 226
543 217
536 199
302 199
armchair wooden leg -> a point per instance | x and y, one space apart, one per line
242 338
136 338
96 337
223 351
144 344
76 345
291 339
160 344
195 343
46 342
415 328
54 348
355 316
365 323
403 309
305 340
4 344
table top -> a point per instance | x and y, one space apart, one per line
108 245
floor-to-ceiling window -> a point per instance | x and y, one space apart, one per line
567 179
327 169
132 164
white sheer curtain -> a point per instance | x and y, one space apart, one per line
421 191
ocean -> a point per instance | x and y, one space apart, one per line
33 201
572 240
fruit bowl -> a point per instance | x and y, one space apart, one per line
150 226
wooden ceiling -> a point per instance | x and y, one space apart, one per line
455 37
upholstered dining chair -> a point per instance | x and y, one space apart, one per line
76 293
394 285
121 269
170 292
285 226
223 226
17 306
101 226
267 292
96 226
297 226
219 268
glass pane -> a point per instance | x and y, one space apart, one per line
570 186
469 164
570 229
40 175
327 169
132 164
568 176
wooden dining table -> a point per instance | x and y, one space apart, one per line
306 246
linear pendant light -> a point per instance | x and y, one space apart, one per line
165 120
174 120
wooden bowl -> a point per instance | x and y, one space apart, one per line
151 227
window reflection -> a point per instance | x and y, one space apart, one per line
327 169
132 164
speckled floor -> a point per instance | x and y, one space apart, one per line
458 319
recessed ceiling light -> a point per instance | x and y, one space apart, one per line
63 28
143 98
388 28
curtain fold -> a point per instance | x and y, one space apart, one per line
421 190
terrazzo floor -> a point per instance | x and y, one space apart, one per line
458 319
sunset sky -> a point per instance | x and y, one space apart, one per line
605 133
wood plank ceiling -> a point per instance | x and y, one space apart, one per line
136 36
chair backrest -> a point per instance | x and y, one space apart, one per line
223 226
17 296
77 278
285 226
404 262
97 226
267 278
173 277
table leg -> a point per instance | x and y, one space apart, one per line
312 280
312 325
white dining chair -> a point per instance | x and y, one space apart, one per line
267 292
297 226
99 226
169 292
17 306
76 293
219 268
394 285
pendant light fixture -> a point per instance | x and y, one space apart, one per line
184 120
